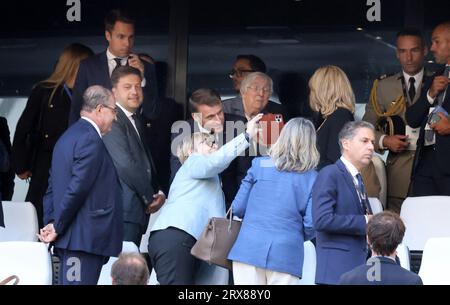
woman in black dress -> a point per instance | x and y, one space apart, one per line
43 121
331 95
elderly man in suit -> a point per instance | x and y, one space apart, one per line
255 90
97 69
431 172
393 95
385 232
82 207
340 207
131 155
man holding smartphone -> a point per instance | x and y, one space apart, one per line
97 70
431 170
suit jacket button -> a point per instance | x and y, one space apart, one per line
51 106
149 125
46 136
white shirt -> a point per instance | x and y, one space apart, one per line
93 124
417 79
130 117
112 64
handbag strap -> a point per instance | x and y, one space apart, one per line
9 279
229 212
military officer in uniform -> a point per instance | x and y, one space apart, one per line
390 97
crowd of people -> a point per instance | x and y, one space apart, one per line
92 131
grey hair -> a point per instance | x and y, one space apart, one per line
350 129
130 269
189 145
296 150
251 77
94 96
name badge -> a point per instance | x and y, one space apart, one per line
413 136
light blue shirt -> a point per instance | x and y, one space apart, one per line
196 194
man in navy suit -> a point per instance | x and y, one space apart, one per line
340 207
82 206
431 169
385 232
97 70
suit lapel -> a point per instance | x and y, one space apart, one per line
105 70
351 185
131 131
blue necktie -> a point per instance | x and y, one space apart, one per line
363 195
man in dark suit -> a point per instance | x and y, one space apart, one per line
131 155
207 116
7 176
340 206
255 90
431 169
385 232
96 70
4 166
82 207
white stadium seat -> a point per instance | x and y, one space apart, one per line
30 261
403 255
21 222
435 267
375 205
105 275
425 217
144 241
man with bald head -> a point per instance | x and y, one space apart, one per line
431 170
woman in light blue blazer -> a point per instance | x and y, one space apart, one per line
274 201
194 197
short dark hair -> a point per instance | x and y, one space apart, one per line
411 32
385 232
130 269
122 71
204 96
116 15
256 63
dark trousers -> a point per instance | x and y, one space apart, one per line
429 179
132 232
78 267
170 254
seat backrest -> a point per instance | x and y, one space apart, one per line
30 261
21 222
380 169
309 264
403 255
435 267
105 275
376 205
425 217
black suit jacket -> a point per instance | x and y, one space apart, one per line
390 273
7 176
94 71
417 116
132 161
327 136
4 166
232 176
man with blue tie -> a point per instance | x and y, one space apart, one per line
97 69
340 207
82 206
431 170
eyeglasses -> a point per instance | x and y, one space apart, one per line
265 90
113 109
239 73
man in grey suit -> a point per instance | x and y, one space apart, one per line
131 155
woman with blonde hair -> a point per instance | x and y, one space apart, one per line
195 196
331 95
43 121
274 201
